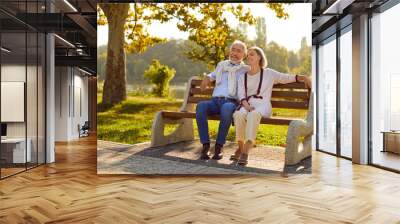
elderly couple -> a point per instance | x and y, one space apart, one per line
242 93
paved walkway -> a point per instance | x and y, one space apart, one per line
182 159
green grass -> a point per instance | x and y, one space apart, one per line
130 122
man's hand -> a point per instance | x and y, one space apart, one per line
305 80
204 84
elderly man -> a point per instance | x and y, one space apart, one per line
224 99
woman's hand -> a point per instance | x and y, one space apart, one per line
247 106
305 80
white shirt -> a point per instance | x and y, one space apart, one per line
270 77
223 89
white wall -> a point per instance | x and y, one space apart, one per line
12 73
33 126
71 94
61 103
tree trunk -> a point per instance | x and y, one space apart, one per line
114 89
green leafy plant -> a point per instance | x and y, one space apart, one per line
159 75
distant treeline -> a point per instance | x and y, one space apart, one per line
172 54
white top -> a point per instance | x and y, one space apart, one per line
270 77
252 84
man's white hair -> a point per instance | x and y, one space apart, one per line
242 44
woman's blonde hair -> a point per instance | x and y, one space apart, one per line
260 52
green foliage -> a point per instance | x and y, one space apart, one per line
210 31
205 22
304 59
137 36
101 62
101 18
135 30
130 121
160 76
170 53
174 53
293 60
240 33
277 57
279 10
261 31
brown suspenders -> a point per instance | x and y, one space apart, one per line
257 95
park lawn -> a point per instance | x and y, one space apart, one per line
130 122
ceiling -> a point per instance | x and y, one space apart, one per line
331 15
73 21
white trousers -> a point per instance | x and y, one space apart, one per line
246 124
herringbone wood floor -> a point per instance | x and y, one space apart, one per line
69 191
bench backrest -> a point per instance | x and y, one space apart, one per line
292 95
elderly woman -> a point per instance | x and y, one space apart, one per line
254 93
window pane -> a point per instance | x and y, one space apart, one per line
346 94
385 83
327 97
15 150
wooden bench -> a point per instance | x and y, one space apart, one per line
291 96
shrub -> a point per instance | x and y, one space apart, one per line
159 75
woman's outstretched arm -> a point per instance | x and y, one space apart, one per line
283 78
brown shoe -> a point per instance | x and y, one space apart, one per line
235 157
205 154
218 152
243 160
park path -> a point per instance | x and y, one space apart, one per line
182 159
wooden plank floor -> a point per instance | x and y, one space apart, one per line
70 191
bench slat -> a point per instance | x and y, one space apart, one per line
293 85
275 104
289 104
290 94
197 82
275 93
197 91
197 99
192 115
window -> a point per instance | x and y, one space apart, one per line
327 96
385 84
22 76
346 93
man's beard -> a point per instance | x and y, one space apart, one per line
233 61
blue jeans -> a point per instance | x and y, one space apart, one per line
225 108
